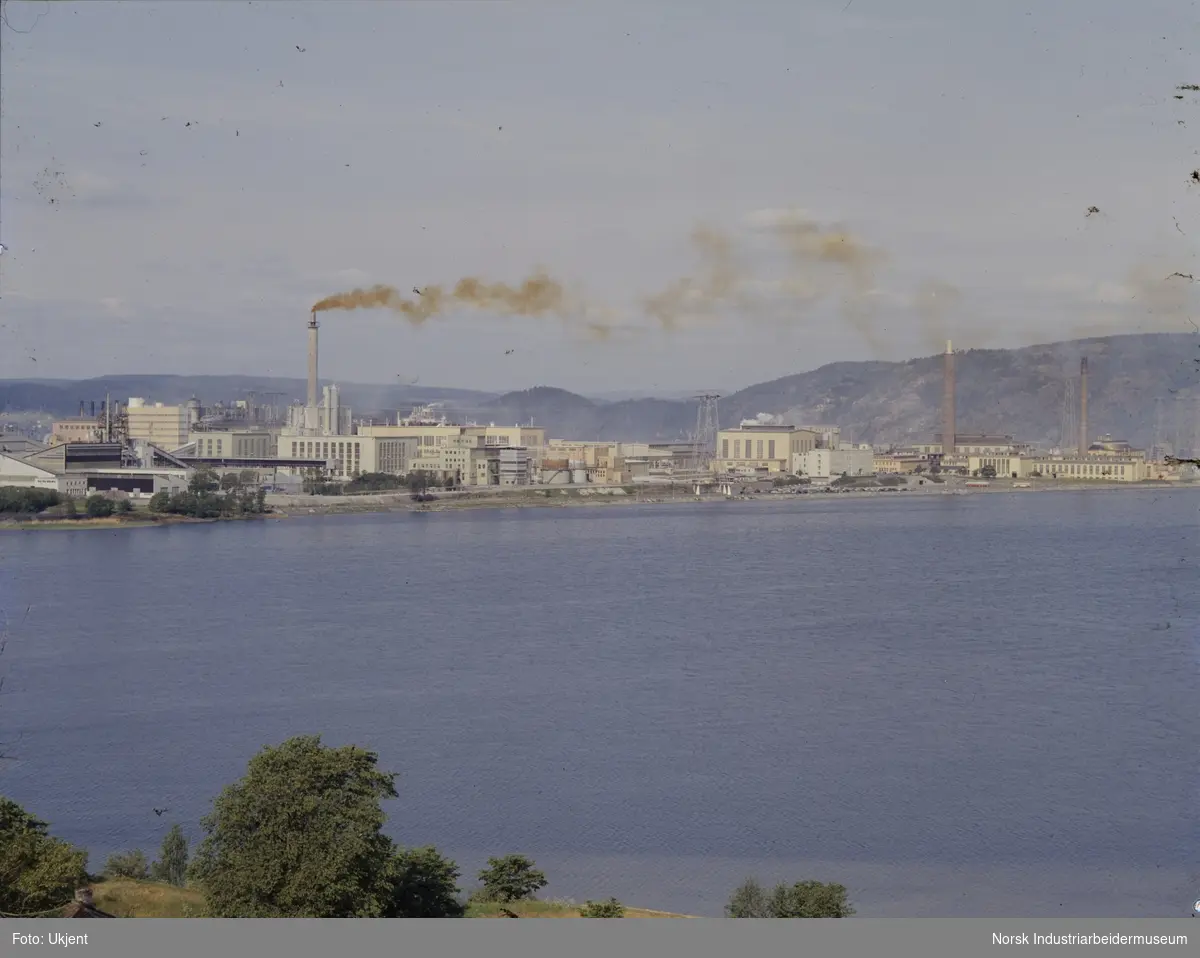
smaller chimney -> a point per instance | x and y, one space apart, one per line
84 896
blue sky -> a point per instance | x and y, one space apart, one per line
416 143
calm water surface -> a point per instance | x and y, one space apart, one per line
974 705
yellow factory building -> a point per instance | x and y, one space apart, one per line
752 447
162 426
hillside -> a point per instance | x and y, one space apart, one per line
1009 391
61 397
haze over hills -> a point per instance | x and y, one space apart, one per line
1017 392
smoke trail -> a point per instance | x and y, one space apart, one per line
720 281
822 258
536 296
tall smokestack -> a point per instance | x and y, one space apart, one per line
312 362
1084 443
948 436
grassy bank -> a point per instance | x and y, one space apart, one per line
145 899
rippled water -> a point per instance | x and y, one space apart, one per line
954 705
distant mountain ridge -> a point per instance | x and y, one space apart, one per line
1133 380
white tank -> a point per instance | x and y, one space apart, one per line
579 476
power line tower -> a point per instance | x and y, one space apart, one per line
1069 437
705 436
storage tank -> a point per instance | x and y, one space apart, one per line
579 473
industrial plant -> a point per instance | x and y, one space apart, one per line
135 448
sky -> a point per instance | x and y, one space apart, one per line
335 145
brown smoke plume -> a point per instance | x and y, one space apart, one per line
820 257
719 282
536 296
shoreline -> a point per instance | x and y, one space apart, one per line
298 507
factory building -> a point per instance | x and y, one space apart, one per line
976 445
899 463
79 469
755 447
164 426
230 444
830 463
80 429
1094 466
331 418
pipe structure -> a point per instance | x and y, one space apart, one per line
1083 423
948 435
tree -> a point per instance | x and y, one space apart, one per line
300 836
70 510
172 864
160 501
988 472
127 865
511 878
98 507
418 482
38 873
804 899
602 909
424 885
124 506
749 900
231 482
204 480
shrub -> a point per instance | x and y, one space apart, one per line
602 909
804 899
124 506
26 501
127 865
98 507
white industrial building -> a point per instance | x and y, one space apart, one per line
831 463
80 469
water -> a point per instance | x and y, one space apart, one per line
974 705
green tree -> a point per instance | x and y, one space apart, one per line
99 507
749 900
804 899
511 878
204 480
988 472
424 885
124 506
172 864
602 909
70 510
231 482
300 836
127 865
38 873
160 502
